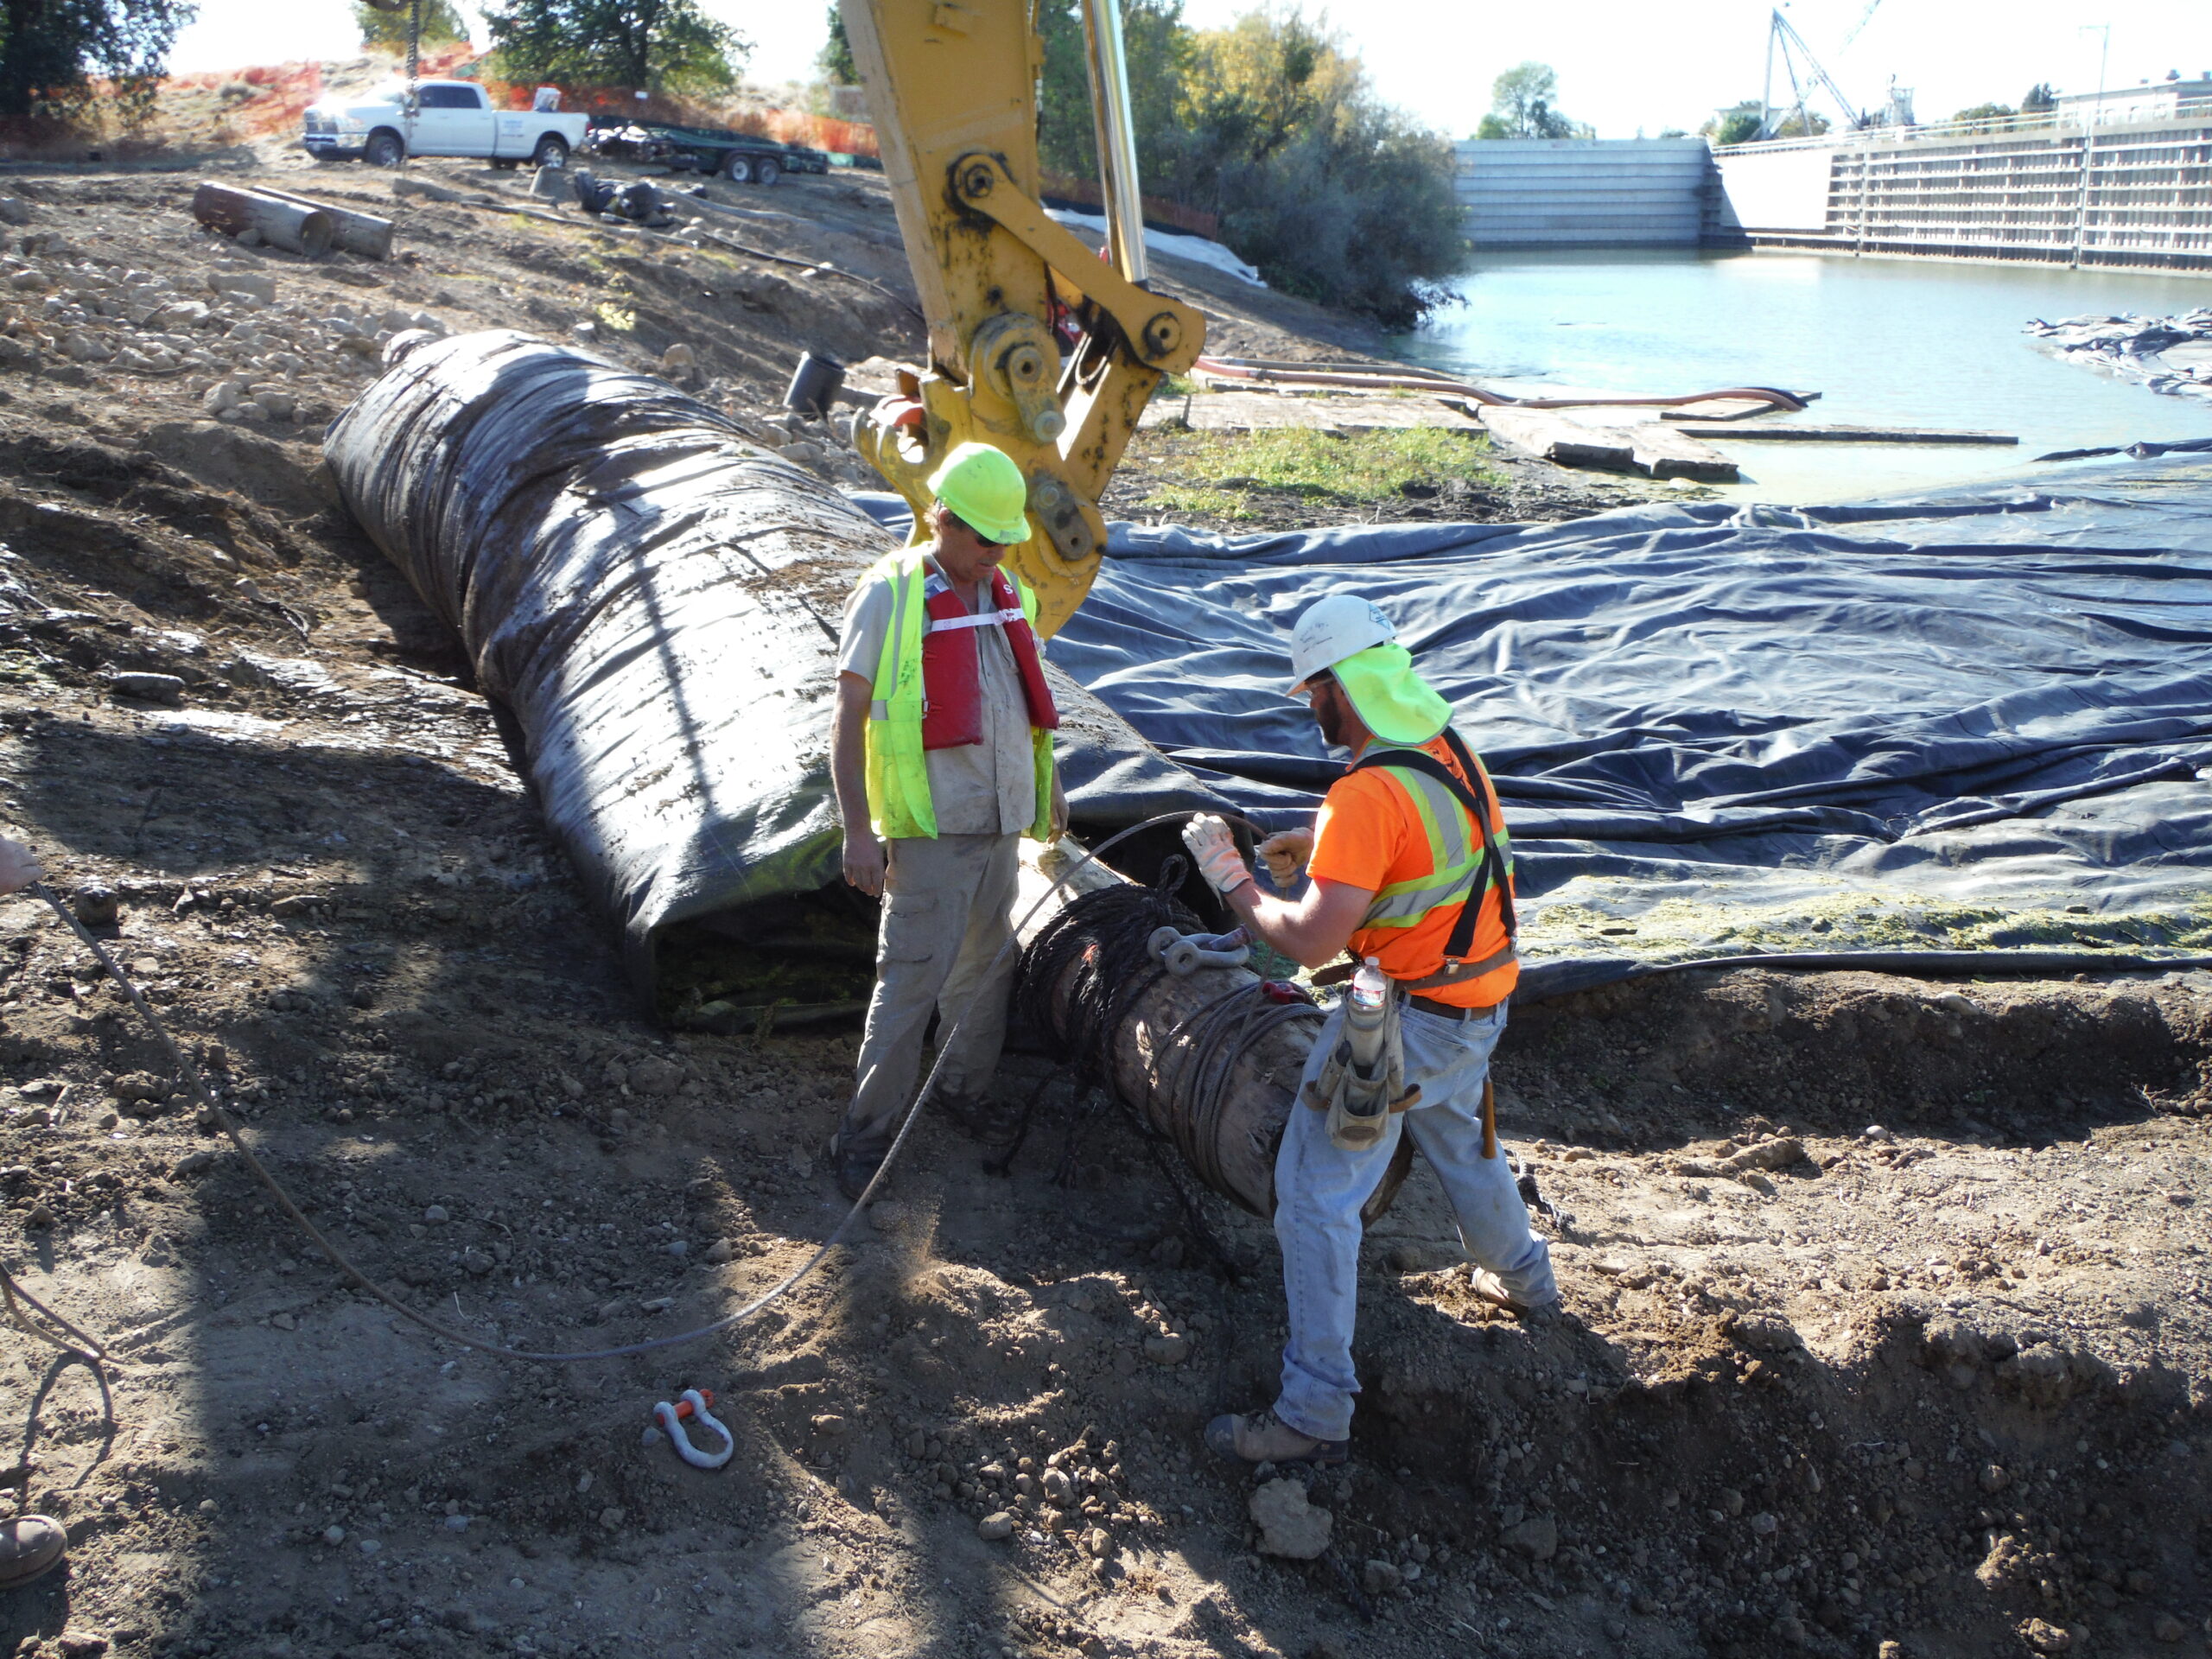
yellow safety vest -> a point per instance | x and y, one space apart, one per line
897 774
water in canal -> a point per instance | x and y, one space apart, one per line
1886 342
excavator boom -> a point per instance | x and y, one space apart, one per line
1037 344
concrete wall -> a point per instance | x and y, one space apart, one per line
2130 194
1570 192
1775 190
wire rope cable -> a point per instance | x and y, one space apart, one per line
229 1126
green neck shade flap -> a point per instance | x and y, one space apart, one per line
1391 700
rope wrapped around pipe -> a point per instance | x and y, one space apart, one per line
1208 1061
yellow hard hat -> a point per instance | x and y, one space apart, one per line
984 486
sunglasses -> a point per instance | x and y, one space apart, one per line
986 540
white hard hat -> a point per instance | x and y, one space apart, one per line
1331 629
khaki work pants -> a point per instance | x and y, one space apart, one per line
948 907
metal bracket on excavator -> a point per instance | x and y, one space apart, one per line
1037 344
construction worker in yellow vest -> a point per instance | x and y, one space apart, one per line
1412 869
942 755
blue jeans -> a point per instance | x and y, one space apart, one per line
1320 1189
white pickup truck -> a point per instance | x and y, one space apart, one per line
448 118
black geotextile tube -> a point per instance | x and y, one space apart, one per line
656 600
1541 980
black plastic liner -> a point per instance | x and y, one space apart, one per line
1997 696
655 600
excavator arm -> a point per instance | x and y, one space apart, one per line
1036 344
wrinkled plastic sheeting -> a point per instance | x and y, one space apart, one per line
655 600
2001 693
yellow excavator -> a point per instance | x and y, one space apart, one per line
1037 344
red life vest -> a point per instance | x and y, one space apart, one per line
952 688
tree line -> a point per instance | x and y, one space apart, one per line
1269 124
1273 126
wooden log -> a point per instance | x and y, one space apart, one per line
1154 1059
1641 446
1783 433
281 224
351 231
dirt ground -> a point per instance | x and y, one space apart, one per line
1887 1300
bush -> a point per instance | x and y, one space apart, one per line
660 46
49 55
386 27
1269 124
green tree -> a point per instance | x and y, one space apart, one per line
386 25
1523 105
1739 125
834 60
1986 113
2040 101
1157 48
1271 126
52 50
661 46
1334 195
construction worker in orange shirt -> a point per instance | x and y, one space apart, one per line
1412 869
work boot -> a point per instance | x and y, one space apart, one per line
30 1546
1262 1436
1489 1287
986 1119
854 1168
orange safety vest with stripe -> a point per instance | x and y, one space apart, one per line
898 773
1470 864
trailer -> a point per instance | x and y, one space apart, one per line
741 157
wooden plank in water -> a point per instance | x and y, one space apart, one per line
1551 437
1645 447
1671 452
1782 432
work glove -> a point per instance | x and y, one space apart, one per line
1286 852
1214 848
19 866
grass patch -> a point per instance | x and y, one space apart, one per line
1185 500
1353 468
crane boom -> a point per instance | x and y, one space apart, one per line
1782 29
1036 344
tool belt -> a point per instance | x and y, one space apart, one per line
1361 1094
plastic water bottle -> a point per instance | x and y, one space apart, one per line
1365 1009
1370 988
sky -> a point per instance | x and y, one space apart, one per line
1623 64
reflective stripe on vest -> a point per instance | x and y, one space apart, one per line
982 620
898 776
1455 855
1452 864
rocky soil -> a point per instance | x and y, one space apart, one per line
1886 1317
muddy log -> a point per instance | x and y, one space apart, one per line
351 231
1163 1052
655 598
287 225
